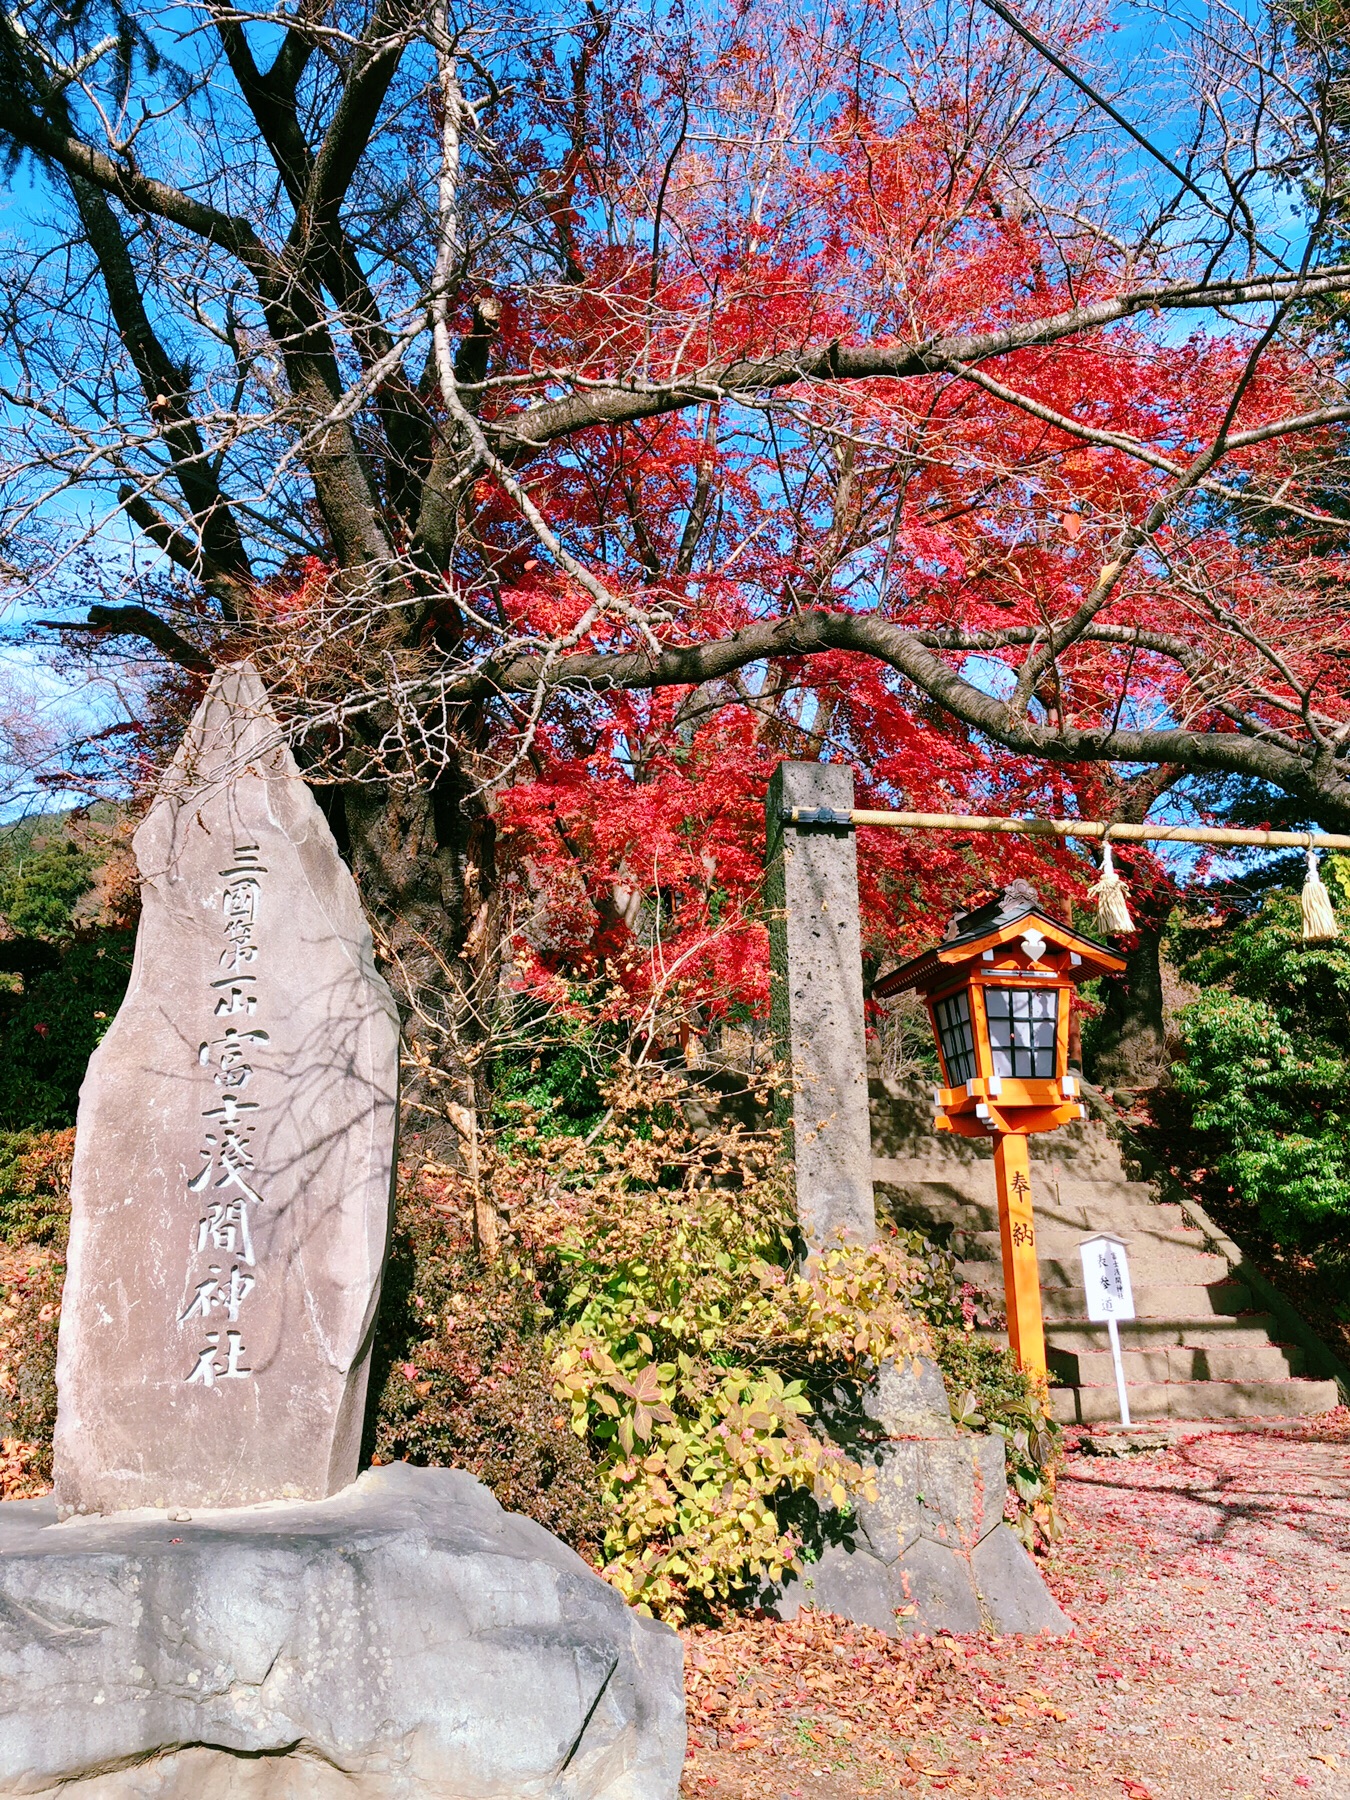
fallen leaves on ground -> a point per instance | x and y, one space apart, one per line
1210 1585
20 1475
30 1295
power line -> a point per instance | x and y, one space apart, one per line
1038 44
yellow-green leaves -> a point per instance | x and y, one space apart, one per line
691 1341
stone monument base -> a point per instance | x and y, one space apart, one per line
931 1552
930 1587
405 1640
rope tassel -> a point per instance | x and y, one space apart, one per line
1113 913
1319 920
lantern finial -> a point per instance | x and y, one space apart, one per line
1018 897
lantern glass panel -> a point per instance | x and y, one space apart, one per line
1022 1025
955 1037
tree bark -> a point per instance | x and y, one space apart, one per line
1130 1051
423 859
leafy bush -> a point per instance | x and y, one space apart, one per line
1267 1061
555 1085
694 1355
462 1368
1280 1113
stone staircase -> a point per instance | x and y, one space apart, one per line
1203 1346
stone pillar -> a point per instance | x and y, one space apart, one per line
931 1552
815 959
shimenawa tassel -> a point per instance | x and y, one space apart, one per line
1113 914
1319 921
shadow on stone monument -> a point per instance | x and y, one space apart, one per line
932 1551
214 1604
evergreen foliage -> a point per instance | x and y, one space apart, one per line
64 979
41 881
1266 1069
49 1030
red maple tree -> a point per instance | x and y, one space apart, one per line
574 415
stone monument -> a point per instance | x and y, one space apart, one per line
932 1551
234 1152
226 1610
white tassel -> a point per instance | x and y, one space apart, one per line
1319 921
1113 913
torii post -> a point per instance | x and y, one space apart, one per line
815 964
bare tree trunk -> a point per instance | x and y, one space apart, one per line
423 858
1130 1050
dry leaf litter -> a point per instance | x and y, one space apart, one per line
1210 1585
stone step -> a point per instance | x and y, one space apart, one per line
1143 1221
1260 1361
1215 1331
1140 1224
976 1177
1294 1398
1155 1300
1152 1300
937 1195
1061 1265
1123 1200
1061 1228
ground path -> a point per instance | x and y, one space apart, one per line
1210 1585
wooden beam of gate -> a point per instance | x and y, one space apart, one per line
1070 828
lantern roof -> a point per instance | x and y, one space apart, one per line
1005 920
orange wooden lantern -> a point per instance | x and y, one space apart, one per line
999 990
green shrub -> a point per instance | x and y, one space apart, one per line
49 1031
1266 1062
41 882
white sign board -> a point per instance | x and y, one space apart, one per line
1106 1277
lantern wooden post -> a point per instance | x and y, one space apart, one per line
1003 972
1017 1234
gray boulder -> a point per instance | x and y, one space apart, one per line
404 1640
